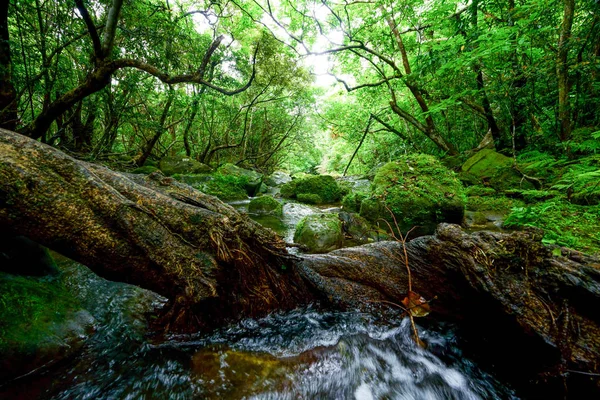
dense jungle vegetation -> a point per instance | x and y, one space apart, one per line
336 87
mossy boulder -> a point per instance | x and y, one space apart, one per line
182 165
265 205
419 191
146 169
495 169
253 179
324 186
309 198
41 322
320 233
277 178
225 187
351 202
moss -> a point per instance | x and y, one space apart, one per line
265 205
418 190
485 162
28 309
563 223
495 169
324 186
352 201
252 179
309 198
492 203
146 169
319 232
479 190
227 187
182 165
531 196
197 181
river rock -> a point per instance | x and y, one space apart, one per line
320 233
419 191
313 189
494 169
254 179
278 178
265 205
182 165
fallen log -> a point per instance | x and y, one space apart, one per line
211 262
520 306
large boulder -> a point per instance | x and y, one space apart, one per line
313 189
265 205
182 165
494 169
253 179
225 187
278 178
419 191
320 233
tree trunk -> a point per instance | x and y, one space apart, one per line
562 71
8 94
539 311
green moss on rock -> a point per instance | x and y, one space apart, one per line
320 233
252 179
41 321
324 186
182 165
419 191
265 205
495 169
309 198
479 190
146 169
352 201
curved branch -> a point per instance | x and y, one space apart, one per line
91 27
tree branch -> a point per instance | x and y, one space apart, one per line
91 28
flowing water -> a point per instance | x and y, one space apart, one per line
302 354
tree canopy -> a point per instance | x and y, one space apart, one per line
231 81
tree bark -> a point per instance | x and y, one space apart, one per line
8 94
214 264
562 71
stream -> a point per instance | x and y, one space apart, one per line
302 354
306 353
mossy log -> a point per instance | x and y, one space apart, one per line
520 306
152 231
533 315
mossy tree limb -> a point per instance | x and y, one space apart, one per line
147 230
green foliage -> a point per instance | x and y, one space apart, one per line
563 223
479 190
324 186
581 182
